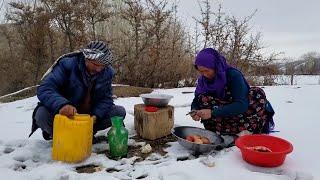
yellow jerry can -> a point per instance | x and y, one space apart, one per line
72 138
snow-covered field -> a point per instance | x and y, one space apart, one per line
298 80
297 118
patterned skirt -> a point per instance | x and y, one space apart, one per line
252 120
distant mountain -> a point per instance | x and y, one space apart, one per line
303 66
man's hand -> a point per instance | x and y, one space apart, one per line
204 114
68 110
94 118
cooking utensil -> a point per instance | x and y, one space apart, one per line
181 132
158 100
192 113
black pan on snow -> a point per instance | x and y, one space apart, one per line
182 132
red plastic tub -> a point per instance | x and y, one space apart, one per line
279 147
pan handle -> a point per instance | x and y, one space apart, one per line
172 131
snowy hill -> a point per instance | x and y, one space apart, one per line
297 119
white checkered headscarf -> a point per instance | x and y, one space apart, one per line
98 51
95 50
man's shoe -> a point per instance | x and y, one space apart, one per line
99 139
34 126
46 136
94 140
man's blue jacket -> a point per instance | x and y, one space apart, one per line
68 83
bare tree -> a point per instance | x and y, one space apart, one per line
134 14
32 24
206 13
312 63
154 40
231 37
1 4
290 70
95 11
158 27
150 45
68 15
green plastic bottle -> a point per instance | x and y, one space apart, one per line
118 138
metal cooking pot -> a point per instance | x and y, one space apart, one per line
182 131
158 100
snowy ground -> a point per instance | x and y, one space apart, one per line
297 119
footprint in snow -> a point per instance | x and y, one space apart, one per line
19 167
8 150
17 143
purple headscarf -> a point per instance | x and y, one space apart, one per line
210 58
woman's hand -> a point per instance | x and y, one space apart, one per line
204 114
195 117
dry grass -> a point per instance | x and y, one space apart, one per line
21 95
130 91
119 91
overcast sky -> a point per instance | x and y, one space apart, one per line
289 26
